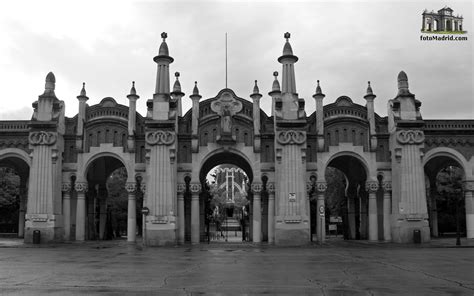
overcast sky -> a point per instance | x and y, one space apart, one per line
107 44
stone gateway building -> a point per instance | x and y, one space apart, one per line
390 163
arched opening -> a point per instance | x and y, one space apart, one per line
346 200
225 202
107 201
445 197
14 173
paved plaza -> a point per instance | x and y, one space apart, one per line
339 268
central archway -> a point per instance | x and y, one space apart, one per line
222 219
346 203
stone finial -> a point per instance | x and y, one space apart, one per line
287 50
133 91
255 88
369 89
319 92
177 84
318 88
276 84
403 83
83 93
83 90
163 47
195 89
50 84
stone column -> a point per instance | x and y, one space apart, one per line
21 218
469 200
66 189
271 212
132 212
387 203
321 223
363 216
195 230
257 213
351 209
81 188
371 187
434 210
181 188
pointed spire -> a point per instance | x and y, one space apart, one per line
83 90
256 92
318 89
370 94
403 84
195 93
82 94
319 93
276 84
195 89
163 47
133 92
177 85
50 84
287 50
369 89
255 88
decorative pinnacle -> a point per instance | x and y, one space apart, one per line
276 84
318 89
195 90
369 89
177 85
255 88
133 91
287 36
164 36
83 90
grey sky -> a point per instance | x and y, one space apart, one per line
343 44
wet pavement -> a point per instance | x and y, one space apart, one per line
336 268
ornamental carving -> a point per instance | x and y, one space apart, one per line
143 187
371 186
181 187
291 137
160 138
468 185
65 187
130 187
321 187
410 137
387 186
80 186
195 187
256 188
42 138
270 187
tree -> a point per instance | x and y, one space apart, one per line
9 198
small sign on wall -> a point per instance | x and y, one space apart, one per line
291 196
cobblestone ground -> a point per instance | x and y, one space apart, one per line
344 268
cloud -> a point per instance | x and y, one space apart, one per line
342 44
